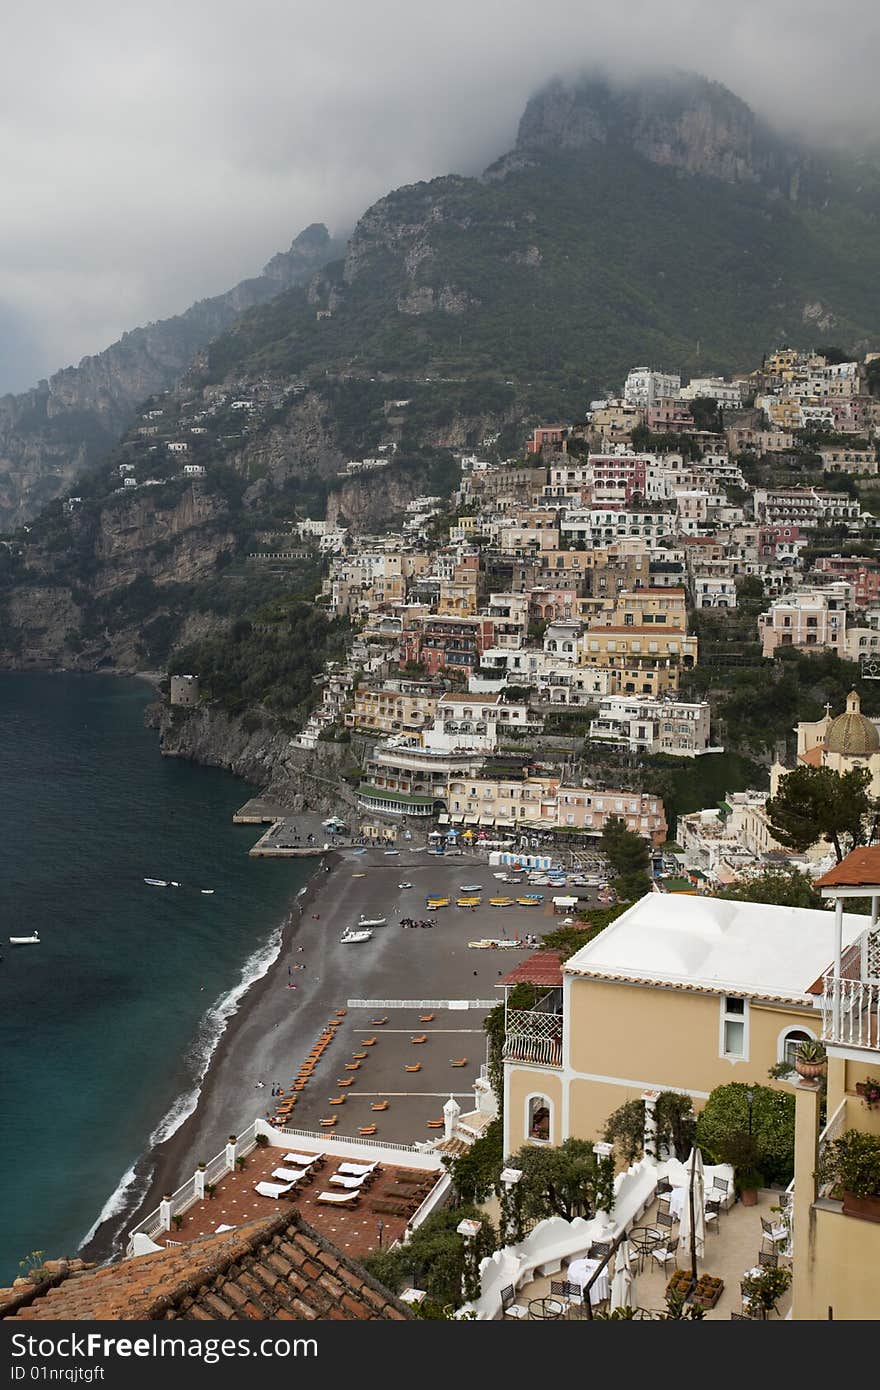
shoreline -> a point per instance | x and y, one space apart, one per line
161 1166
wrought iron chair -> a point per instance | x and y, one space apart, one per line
769 1259
664 1253
561 1289
509 1307
712 1212
774 1234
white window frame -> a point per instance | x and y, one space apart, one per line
723 1018
784 1037
527 1126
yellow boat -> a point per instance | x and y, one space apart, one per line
437 902
501 902
468 902
527 902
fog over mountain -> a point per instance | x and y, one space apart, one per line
151 159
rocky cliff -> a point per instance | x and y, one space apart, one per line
50 434
299 779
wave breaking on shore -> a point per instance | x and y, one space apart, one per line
135 1182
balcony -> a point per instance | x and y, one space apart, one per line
535 1036
851 1000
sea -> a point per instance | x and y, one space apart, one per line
107 1025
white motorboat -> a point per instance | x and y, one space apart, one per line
206 890
471 888
350 936
157 882
404 885
371 922
25 940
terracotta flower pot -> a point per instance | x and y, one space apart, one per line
867 1208
749 1197
810 1071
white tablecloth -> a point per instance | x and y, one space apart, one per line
676 1201
580 1272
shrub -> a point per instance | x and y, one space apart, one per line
726 1114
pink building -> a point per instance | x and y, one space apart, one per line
619 476
668 414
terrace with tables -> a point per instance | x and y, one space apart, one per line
735 1242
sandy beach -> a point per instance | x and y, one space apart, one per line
276 1024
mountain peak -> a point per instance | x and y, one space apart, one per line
679 120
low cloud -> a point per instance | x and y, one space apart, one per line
153 158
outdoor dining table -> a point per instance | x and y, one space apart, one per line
581 1271
644 1239
546 1309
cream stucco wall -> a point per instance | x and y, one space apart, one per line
647 1037
521 1082
624 1039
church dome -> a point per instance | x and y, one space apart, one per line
852 734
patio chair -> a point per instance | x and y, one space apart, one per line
327 1124
740 1317
721 1185
559 1288
426 1018
380 1105
337 1100
349 1081
664 1218
369 1042
664 1185
367 1129
509 1307
377 1022
352 1066
599 1249
422 1038
664 1253
360 1056
339 1199
458 1061
712 1212
775 1234
434 1124
769 1259
274 1189
417 1066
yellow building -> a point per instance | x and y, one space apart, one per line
644 660
679 993
405 706
643 608
835 1240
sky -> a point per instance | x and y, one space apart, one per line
153 155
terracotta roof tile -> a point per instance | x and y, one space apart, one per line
543 968
860 868
276 1267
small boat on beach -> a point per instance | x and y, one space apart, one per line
206 890
371 922
33 940
471 888
157 882
349 937
501 902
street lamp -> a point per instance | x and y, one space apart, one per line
381 1228
750 1100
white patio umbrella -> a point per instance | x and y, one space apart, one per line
693 1239
622 1283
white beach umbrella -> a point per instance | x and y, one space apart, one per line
694 1197
622 1283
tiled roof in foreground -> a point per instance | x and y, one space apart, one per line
860 868
277 1267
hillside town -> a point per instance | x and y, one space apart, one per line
559 601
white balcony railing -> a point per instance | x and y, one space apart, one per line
851 1012
533 1035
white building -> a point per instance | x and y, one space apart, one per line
644 385
812 618
678 728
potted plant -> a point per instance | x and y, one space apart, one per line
707 1291
261 1141
241 1163
764 1289
210 1189
680 1284
869 1090
810 1060
177 1218
741 1151
851 1164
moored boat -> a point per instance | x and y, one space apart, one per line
33 940
351 936
372 922
157 882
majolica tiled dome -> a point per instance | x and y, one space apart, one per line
852 734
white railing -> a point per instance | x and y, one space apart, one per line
542 1052
326 1140
850 1012
422 1004
187 1195
832 1131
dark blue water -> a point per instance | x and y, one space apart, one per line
105 1026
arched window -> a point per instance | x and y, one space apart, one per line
538 1117
789 1041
